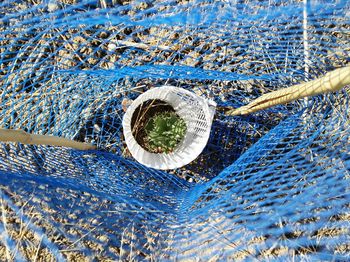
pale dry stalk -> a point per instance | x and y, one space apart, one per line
331 82
20 136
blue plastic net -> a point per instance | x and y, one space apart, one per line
274 185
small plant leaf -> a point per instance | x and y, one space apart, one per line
165 131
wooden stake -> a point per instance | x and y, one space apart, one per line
20 136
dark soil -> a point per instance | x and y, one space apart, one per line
140 118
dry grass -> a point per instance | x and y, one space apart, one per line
28 245
21 224
23 219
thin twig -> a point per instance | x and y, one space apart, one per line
139 118
123 44
37 250
70 46
83 236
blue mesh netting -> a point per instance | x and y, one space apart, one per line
273 185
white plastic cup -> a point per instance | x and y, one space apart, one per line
197 112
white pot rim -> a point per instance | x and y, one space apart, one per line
188 150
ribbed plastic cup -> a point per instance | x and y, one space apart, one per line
197 112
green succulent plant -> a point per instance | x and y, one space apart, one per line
165 131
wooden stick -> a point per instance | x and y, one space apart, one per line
331 82
20 136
